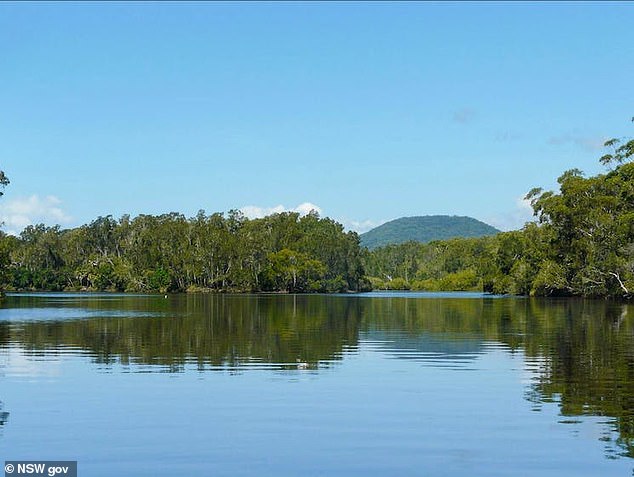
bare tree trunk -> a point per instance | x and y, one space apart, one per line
616 275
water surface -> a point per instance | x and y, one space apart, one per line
275 385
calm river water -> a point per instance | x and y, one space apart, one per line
379 384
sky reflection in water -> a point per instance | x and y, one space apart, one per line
338 385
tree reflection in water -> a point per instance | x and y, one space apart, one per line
581 352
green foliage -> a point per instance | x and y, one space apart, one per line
550 279
591 228
425 229
583 244
457 264
293 271
159 280
377 284
621 151
281 252
397 284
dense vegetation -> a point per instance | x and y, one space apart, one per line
582 244
425 229
282 252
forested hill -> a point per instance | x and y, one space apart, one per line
425 229
582 243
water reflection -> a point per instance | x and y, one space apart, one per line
213 332
3 415
581 352
578 354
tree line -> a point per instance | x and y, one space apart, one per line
581 244
169 252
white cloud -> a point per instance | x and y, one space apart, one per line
306 207
257 212
361 226
514 219
19 212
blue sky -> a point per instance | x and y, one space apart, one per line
369 111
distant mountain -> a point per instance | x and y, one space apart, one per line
425 229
